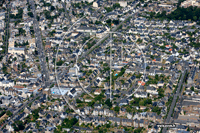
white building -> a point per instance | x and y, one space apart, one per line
13 50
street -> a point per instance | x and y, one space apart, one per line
167 121
44 68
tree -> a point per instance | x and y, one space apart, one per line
30 14
156 110
59 63
52 8
4 69
18 15
116 5
91 103
192 88
52 33
188 129
195 18
128 109
21 31
138 130
67 123
148 67
156 77
78 101
116 109
8 113
107 125
18 125
160 93
108 103
116 22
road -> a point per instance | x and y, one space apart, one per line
39 45
44 69
7 25
66 13
174 101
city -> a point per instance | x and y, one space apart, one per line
102 66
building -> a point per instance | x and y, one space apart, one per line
13 50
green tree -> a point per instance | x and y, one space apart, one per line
195 18
4 68
138 130
30 14
148 67
108 103
52 8
160 93
156 110
116 109
18 126
192 88
8 113
116 5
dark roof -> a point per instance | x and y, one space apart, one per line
73 91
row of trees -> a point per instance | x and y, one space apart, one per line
141 102
109 9
190 13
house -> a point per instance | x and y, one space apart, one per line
102 120
143 123
123 102
115 120
95 112
127 122
131 79
106 86
14 50
129 115
98 106
140 95
73 92
151 90
161 104
97 92
95 120
122 112
86 29
125 86
160 84
6 83
85 120
87 110
151 116
117 85
116 92
136 123
169 60
101 112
